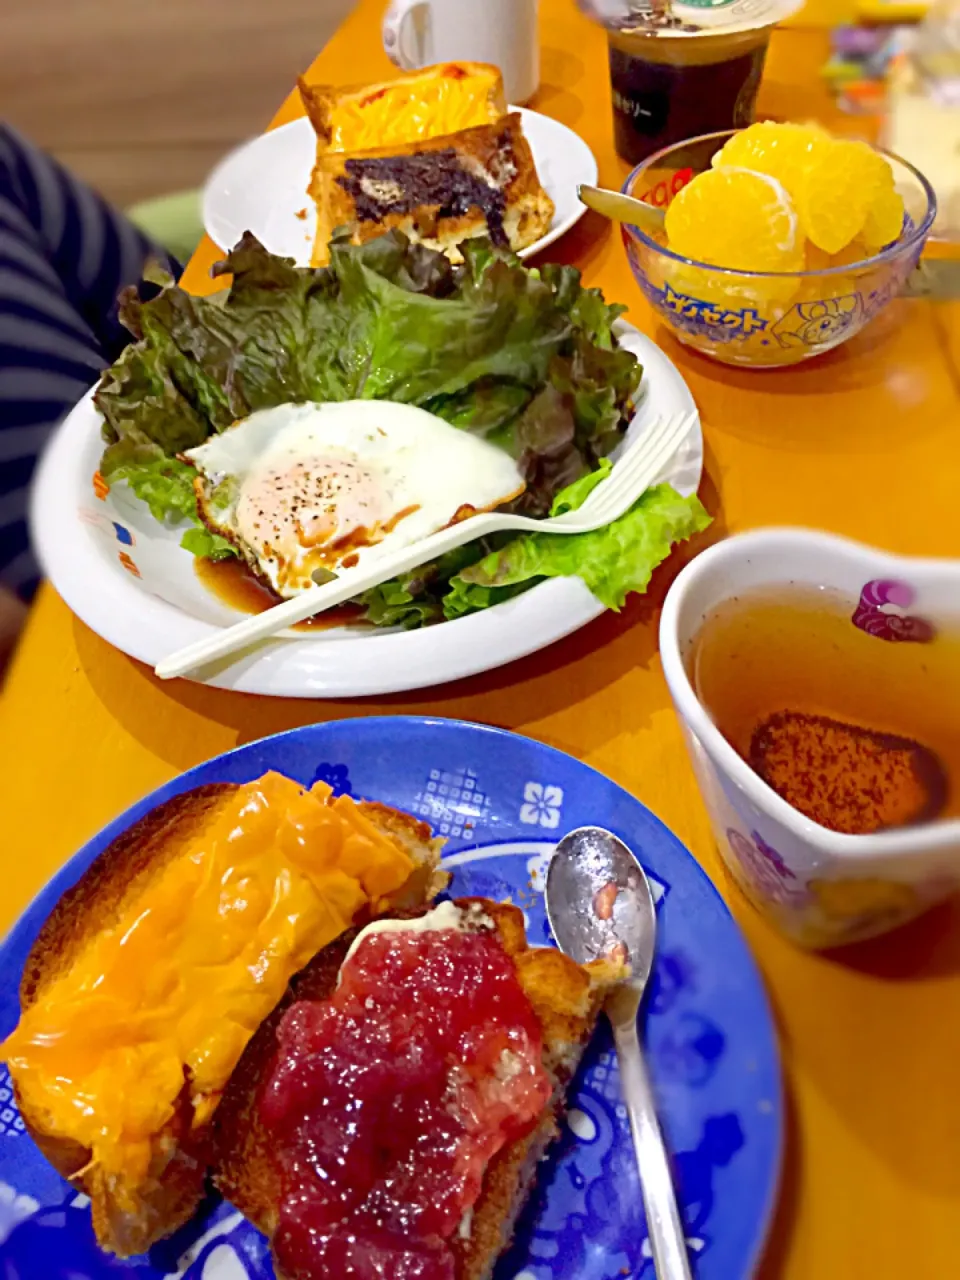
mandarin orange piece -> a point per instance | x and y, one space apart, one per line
732 218
884 219
779 150
836 191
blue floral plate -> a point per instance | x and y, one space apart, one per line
501 801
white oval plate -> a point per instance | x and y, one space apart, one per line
262 186
128 579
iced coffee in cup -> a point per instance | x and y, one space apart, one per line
678 70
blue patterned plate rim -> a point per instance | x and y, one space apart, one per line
585 1214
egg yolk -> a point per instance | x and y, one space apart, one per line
309 502
167 999
313 513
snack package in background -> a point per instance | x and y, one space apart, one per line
923 111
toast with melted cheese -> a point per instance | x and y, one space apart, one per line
566 999
154 971
437 100
478 182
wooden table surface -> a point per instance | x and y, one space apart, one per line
863 442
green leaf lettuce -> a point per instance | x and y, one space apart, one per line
166 486
524 357
612 561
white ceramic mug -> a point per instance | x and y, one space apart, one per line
417 33
822 888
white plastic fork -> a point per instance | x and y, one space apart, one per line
632 474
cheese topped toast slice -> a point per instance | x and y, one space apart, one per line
154 971
435 101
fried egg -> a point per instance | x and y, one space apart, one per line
307 487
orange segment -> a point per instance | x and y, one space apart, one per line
836 191
835 184
781 198
729 292
856 251
780 150
884 219
733 218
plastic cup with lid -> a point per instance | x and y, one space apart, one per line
679 70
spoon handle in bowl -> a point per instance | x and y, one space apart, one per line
659 1201
620 208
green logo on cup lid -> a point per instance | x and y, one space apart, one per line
707 4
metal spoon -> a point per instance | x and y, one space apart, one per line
599 899
620 208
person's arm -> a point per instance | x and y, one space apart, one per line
73 253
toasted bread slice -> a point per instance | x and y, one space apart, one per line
437 100
129 1217
566 999
865 781
479 182
126 1220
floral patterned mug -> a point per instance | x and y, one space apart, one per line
820 887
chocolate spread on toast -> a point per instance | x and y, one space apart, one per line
440 183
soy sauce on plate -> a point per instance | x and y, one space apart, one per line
233 584
858 732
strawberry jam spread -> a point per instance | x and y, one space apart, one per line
387 1101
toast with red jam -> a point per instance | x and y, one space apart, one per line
388 1119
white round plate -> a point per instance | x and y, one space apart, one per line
126 576
262 186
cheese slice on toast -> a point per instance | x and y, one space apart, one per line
153 972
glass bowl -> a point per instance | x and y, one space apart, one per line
765 319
